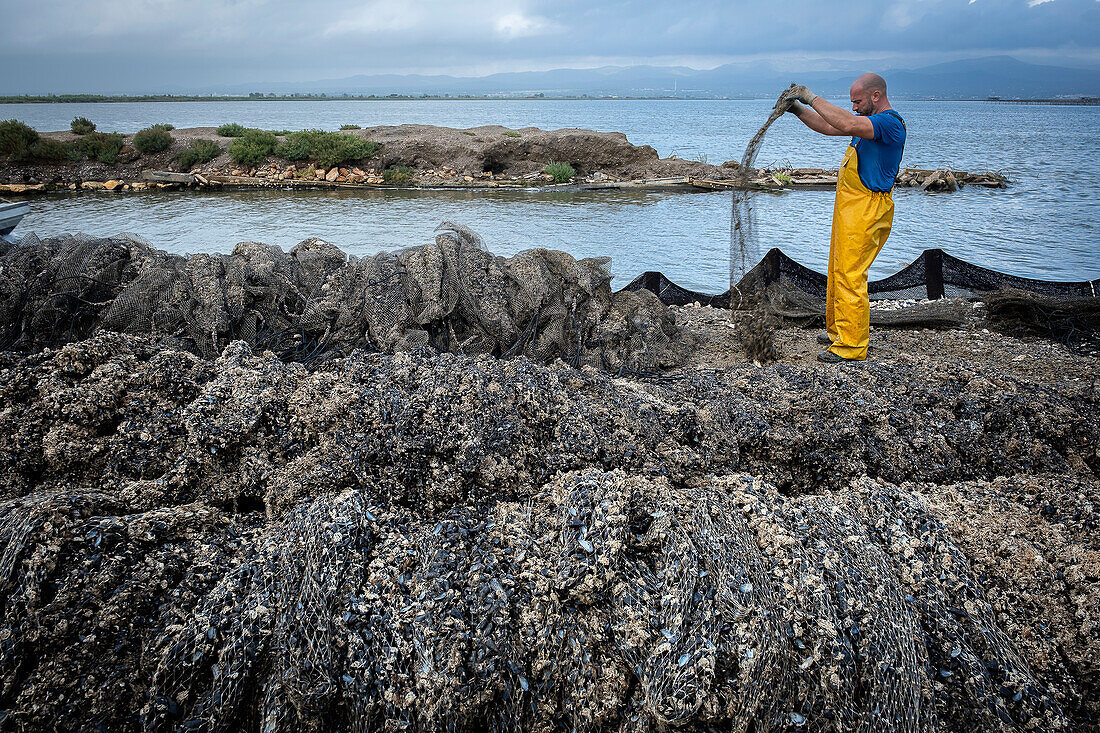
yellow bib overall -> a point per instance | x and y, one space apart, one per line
861 223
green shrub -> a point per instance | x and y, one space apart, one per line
511 133
282 133
350 127
103 146
296 146
82 126
231 130
152 139
326 148
397 174
199 151
252 146
164 126
561 172
334 148
16 138
48 149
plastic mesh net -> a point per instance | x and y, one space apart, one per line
744 248
934 283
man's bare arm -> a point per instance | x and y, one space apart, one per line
813 120
842 120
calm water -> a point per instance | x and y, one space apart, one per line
1044 225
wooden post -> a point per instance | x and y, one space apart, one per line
933 273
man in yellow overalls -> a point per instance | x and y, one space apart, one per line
864 208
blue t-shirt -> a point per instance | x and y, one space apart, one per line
879 159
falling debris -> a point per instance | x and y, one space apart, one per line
744 249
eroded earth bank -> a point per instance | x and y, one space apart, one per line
490 156
426 529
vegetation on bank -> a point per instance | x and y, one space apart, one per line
325 148
101 146
397 174
21 142
199 151
252 146
350 127
153 139
55 151
82 126
231 129
16 138
562 172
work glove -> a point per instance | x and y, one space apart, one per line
802 94
784 101
795 107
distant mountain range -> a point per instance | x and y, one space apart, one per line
977 78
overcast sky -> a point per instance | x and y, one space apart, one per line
156 45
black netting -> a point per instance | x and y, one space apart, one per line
934 274
315 302
785 288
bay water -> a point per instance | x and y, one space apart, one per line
1044 225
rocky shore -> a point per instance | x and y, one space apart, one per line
480 157
456 540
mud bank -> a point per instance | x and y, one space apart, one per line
437 157
445 541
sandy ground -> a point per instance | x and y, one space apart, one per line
976 343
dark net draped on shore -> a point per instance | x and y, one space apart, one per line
935 284
440 542
315 301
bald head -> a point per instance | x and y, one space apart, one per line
871 83
868 94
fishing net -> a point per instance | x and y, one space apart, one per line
931 291
1071 320
744 249
315 302
444 542
600 601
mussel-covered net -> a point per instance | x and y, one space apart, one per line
439 542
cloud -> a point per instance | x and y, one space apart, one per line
58 45
380 16
518 25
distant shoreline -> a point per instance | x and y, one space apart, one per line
115 99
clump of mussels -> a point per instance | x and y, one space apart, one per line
438 541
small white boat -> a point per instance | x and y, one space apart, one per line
11 212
